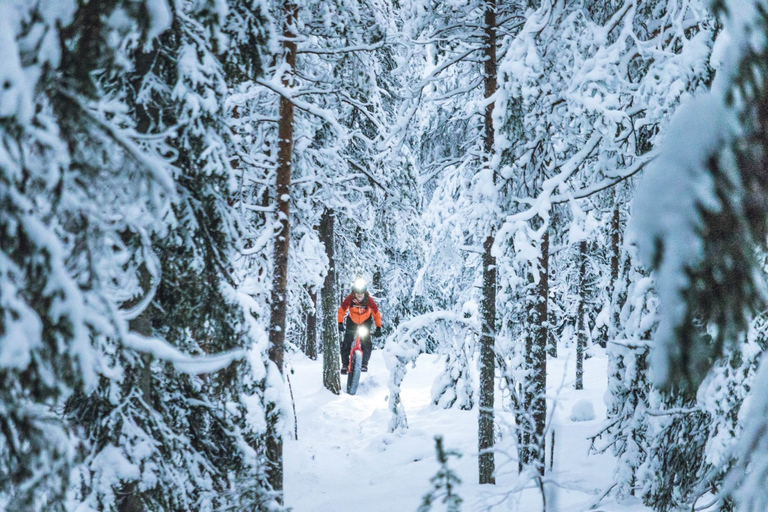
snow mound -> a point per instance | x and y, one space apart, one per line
583 410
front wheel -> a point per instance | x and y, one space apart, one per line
353 377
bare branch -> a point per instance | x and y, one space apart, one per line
370 177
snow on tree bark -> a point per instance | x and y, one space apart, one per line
581 335
485 429
282 237
615 258
331 360
534 411
310 341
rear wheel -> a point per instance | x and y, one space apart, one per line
353 378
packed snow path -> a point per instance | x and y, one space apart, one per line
345 460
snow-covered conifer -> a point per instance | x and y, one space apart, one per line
161 424
73 179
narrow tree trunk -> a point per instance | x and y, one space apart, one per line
615 256
581 337
310 343
534 416
486 459
540 373
551 340
331 360
280 279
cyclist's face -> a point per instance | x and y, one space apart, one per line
359 296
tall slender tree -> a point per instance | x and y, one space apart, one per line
282 237
486 464
331 361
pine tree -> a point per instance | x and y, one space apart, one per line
561 141
331 362
629 389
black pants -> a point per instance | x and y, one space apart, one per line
349 340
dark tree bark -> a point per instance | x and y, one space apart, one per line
581 337
615 257
486 459
280 279
310 343
533 417
331 360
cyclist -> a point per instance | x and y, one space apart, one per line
362 311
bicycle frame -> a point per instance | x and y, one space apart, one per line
355 347
355 361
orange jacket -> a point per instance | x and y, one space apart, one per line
359 310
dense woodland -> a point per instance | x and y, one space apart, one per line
188 188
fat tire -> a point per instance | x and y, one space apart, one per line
353 377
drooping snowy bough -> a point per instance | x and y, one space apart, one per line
410 339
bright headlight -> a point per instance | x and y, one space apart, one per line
359 283
362 331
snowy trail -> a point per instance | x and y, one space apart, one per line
345 460
341 460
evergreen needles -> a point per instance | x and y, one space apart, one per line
444 482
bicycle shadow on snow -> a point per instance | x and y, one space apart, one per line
368 386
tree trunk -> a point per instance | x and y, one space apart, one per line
486 459
331 360
615 257
534 415
581 337
282 239
310 343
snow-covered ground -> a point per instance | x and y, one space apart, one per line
345 460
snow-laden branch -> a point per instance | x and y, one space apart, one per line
401 349
346 98
195 365
544 200
612 180
445 65
342 51
316 111
469 30
461 90
369 176
159 173
265 237
406 330
258 208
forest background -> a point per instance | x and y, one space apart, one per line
187 186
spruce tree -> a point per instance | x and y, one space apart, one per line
166 423
72 179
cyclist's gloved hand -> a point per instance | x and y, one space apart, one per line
341 326
377 332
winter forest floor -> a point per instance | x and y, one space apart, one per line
346 460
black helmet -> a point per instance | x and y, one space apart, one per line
359 286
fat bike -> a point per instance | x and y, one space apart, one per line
356 361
